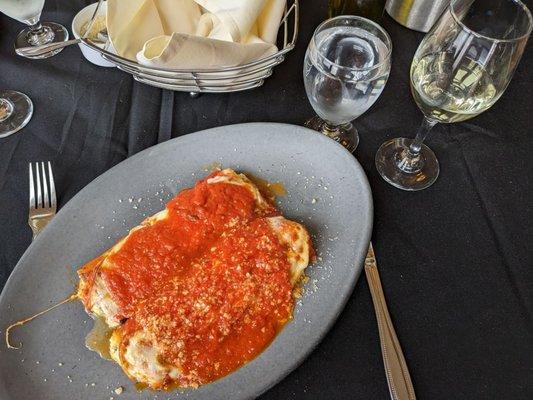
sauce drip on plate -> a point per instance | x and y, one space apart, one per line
98 338
271 190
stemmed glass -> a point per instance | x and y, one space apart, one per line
37 33
16 110
460 69
346 67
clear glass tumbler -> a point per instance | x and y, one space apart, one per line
460 70
346 67
37 33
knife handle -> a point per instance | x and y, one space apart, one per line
398 378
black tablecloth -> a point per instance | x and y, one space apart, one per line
456 259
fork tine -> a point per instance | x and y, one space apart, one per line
46 200
39 196
52 186
32 188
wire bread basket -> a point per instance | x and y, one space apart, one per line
213 80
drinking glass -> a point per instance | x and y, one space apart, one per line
346 67
37 33
16 110
460 69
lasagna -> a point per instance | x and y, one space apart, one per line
200 288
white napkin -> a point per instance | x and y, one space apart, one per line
196 52
131 23
194 34
268 21
232 20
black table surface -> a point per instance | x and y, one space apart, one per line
456 260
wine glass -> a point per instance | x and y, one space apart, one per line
460 69
37 33
346 67
16 110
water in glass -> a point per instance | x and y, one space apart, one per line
22 10
340 77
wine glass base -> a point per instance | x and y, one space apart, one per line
388 165
53 33
345 134
16 110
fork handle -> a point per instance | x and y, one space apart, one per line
398 378
37 225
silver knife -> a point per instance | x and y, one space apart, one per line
398 378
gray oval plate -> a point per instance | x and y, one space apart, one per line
327 191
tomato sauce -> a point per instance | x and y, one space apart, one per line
211 281
154 254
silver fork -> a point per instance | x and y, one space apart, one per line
43 207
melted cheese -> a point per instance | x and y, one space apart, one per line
297 239
140 359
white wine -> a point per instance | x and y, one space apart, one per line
448 90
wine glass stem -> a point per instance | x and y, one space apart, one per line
39 34
409 160
426 125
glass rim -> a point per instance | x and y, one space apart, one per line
358 18
524 8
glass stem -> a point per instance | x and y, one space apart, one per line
36 28
330 130
39 34
426 125
409 160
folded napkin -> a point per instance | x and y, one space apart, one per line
194 34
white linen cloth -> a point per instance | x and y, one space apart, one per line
194 34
